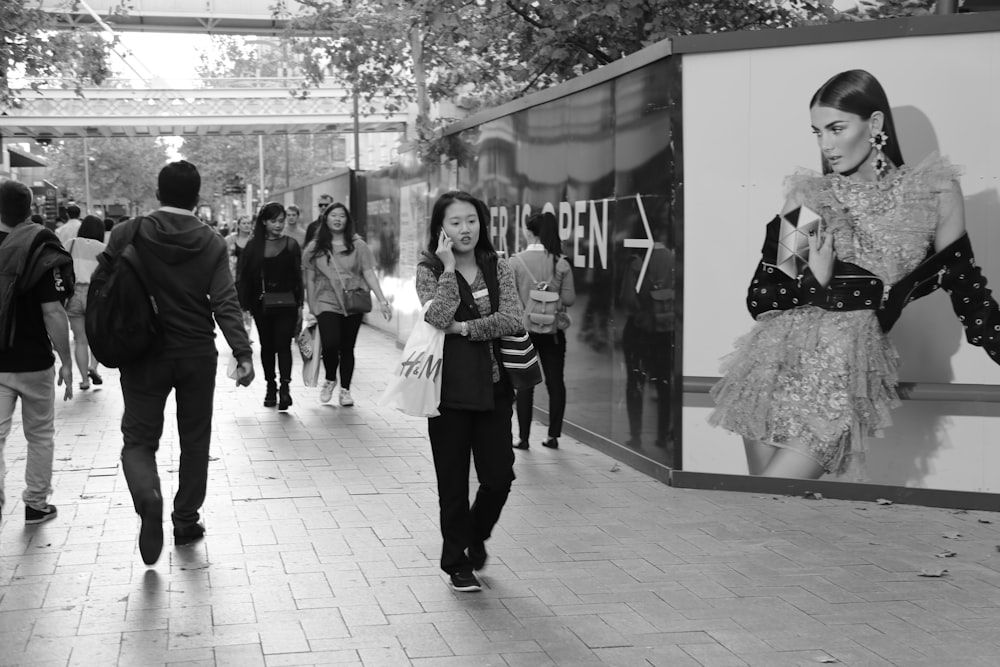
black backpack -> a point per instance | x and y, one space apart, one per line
122 319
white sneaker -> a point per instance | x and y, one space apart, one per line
326 390
345 398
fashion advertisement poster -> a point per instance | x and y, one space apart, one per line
761 144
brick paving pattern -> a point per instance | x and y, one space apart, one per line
322 549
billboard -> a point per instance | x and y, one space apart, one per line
747 127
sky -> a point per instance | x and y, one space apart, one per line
170 56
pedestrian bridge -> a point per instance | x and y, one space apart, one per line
213 107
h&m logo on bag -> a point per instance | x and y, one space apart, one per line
420 365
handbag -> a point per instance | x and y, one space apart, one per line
271 301
415 387
520 360
356 300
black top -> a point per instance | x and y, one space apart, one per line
279 273
32 349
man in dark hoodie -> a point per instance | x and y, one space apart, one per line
36 277
188 263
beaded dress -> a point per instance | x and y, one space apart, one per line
818 380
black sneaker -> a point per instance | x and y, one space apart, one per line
465 582
551 443
521 444
189 534
32 516
151 530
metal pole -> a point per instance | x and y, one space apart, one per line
86 171
260 164
357 133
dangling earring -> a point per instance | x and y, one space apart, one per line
881 163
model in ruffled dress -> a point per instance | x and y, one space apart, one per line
817 373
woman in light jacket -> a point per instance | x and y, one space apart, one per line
542 267
335 260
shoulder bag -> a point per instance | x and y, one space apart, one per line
354 301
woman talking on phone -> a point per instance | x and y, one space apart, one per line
475 302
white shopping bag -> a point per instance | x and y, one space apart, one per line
415 385
311 366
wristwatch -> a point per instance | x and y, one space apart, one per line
465 329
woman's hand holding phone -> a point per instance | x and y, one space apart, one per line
444 252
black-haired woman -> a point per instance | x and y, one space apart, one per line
817 373
542 267
335 260
270 286
475 302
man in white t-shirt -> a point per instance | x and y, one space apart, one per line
69 230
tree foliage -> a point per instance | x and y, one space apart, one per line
31 47
122 170
480 53
499 49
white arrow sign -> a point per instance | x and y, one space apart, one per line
646 243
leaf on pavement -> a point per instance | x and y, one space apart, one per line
951 536
933 572
945 554
813 495
883 501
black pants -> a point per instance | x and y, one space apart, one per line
552 353
456 434
276 329
145 387
339 333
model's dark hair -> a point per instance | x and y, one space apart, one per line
258 236
91 227
545 226
73 211
858 92
179 184
484 247
15 202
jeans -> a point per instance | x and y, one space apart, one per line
455 436
145 387
276 330
37 391
552 354
339 333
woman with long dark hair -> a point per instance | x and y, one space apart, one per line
84 247
817 372
336 260
475 302
545 284
270 287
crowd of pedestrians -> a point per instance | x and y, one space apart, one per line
278 274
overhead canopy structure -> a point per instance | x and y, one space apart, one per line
21 158
220 17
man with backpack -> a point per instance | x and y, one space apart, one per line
188 265
36 277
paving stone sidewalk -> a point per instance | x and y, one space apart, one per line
322 549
